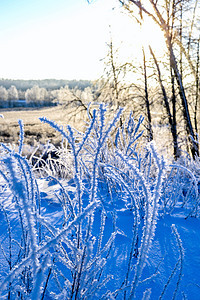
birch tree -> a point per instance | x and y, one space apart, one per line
13 93
3 93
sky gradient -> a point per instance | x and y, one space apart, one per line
65 39
53 39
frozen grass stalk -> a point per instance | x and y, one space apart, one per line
110 178
179 262
150 222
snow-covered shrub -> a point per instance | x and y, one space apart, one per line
37 96
113 160
3 97
13 93
181 191
54 161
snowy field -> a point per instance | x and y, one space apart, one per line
34 132
103 219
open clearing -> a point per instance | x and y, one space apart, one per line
35 132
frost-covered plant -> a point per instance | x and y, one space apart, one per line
180 191
179 264
32 252
78 255
52 161
145 205
73 255
21 190
87 266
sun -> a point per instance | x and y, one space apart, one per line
130 37
151 35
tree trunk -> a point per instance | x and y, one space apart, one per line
197 87
149 126
173 63
172 120
186 114
181 38
174 133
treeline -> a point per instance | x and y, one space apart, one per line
15 93
49 84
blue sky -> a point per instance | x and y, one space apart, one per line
14 14
65 39
53 39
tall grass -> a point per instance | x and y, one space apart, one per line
71 257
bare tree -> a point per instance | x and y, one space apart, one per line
158 17
171 118
115 73
147 103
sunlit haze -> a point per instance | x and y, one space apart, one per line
64 38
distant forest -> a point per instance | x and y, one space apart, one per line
48 84
47 92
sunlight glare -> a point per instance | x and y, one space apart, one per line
151 34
